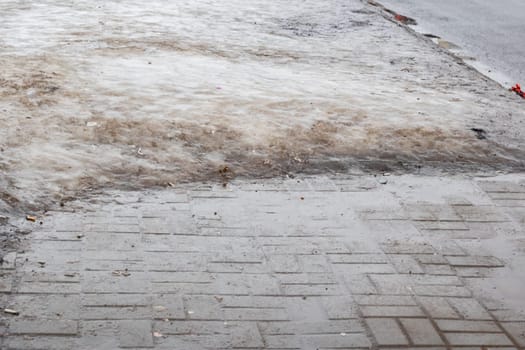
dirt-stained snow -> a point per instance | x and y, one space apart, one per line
98 94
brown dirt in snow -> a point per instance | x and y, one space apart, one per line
126 104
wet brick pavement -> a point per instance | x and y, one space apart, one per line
315 263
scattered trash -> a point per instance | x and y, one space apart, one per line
219 299
80 235
343 334
31 218
383 181
157 334
480 133
139 151
405 19
91 124
171 184
11 312
431 36
225 172
124 273
191 312
302 198
517 89
70 274
159 308
41 263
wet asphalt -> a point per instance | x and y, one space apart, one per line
493 32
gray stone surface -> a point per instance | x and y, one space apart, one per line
256 269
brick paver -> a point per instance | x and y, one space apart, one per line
295 264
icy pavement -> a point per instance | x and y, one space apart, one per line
105 94
312 263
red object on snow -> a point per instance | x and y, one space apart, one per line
517 89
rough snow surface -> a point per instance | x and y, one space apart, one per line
129 94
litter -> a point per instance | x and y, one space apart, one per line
480 133
405 19
11 312
124 273
517 89
31 218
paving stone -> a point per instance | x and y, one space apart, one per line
246 335
391 311
284 263
339 341
8 261
280 342
441 225
42 326
475 272
255 314
358 258
54 306
440 270
516 331
480 213
434 259
501 186
474 261
503 315
428 280
135 334
307 327
397 247
168 307
385 300
111 282
467 326
406 264
386 331
469 308
359 284
310 308
421 332
481 339
356 269
445 291
48 288
392 284
202 307
438 307
24 342
6 283
339 307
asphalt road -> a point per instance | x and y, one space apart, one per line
493 32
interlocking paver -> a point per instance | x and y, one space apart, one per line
467 326
387 331
516 330
485 339
310 279
43 326
135 334
421 332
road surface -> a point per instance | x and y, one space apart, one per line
490 31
